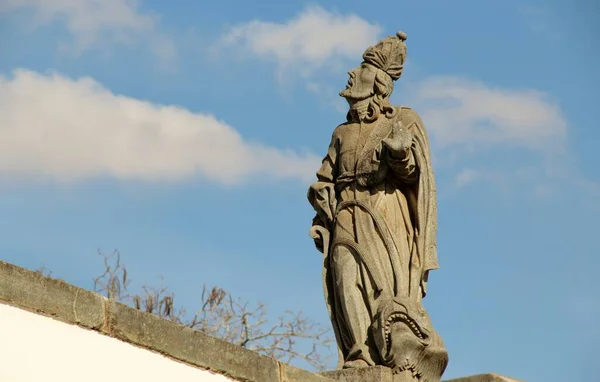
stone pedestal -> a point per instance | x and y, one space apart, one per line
384 374
375 374
491 377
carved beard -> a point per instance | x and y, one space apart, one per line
355 95
359 102
353 92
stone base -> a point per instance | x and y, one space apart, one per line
375 374
491 377
384 374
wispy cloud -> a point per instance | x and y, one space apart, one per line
70 130
465 112
327 96
314 39
97 24
482 133
466 177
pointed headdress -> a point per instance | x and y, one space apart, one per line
388 55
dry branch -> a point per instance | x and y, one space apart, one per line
222 316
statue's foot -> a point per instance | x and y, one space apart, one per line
355 363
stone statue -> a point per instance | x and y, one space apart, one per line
375 224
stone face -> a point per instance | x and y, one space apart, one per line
375 224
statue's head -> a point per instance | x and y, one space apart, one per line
371 84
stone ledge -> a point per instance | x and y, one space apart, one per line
188 345
374 373
31 291
491 377
384 374
54 298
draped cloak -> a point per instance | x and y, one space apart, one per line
381 208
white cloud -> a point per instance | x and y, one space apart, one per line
95 24
327 95
69 130
510 139
466 177
463 112
313 39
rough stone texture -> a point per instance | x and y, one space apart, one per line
189 345
293 374
371 374
376 222
32 291
491 377
384 374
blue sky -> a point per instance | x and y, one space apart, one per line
185 134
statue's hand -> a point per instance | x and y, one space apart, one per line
399 141
320 236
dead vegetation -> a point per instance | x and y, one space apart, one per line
288 338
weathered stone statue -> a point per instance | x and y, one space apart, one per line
375 223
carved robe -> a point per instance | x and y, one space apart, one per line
377 213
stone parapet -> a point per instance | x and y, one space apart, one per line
491 377
375 374
54 298
384 374
34 292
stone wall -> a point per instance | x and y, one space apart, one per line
51 330
39 348
54 299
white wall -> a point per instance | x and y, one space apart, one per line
35 348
